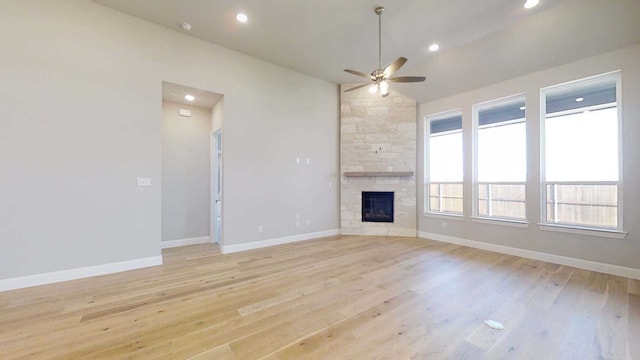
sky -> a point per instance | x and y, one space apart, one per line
578 147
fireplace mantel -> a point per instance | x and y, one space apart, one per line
379 173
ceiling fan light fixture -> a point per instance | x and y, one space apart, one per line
384 88
531 3
383 75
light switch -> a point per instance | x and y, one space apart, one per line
143 181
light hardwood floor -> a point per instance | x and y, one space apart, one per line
345 297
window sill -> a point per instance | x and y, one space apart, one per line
440 215
504 222
614 234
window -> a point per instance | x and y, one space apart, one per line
581 154
443 171
500 159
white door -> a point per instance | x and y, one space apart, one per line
216 187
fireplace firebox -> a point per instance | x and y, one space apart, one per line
377 206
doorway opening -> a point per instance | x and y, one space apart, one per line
191 166
216 187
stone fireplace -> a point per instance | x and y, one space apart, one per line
377 155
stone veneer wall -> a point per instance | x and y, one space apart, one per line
377 134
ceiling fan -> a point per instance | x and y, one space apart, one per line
382 76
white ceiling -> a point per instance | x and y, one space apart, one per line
176 93
482 41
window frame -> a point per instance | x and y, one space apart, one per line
616 232
475 113
427 166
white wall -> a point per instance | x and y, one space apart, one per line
185 172
217 115
80 119
625 252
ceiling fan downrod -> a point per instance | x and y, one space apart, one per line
379 10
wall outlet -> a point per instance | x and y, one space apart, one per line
260 229
143 181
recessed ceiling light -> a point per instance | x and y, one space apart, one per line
189 97
242 17
531 3
185 26
434 47
579 99
522 107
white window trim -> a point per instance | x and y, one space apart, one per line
474 143
617 233
426 166
500 221
444 215
614 234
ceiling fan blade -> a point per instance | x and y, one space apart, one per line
407 79
394 66
356 87
359 73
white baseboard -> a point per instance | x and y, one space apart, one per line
185 242
78 273
536 255
391 233
228 249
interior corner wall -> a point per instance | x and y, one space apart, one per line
622 252
80 120
186 157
